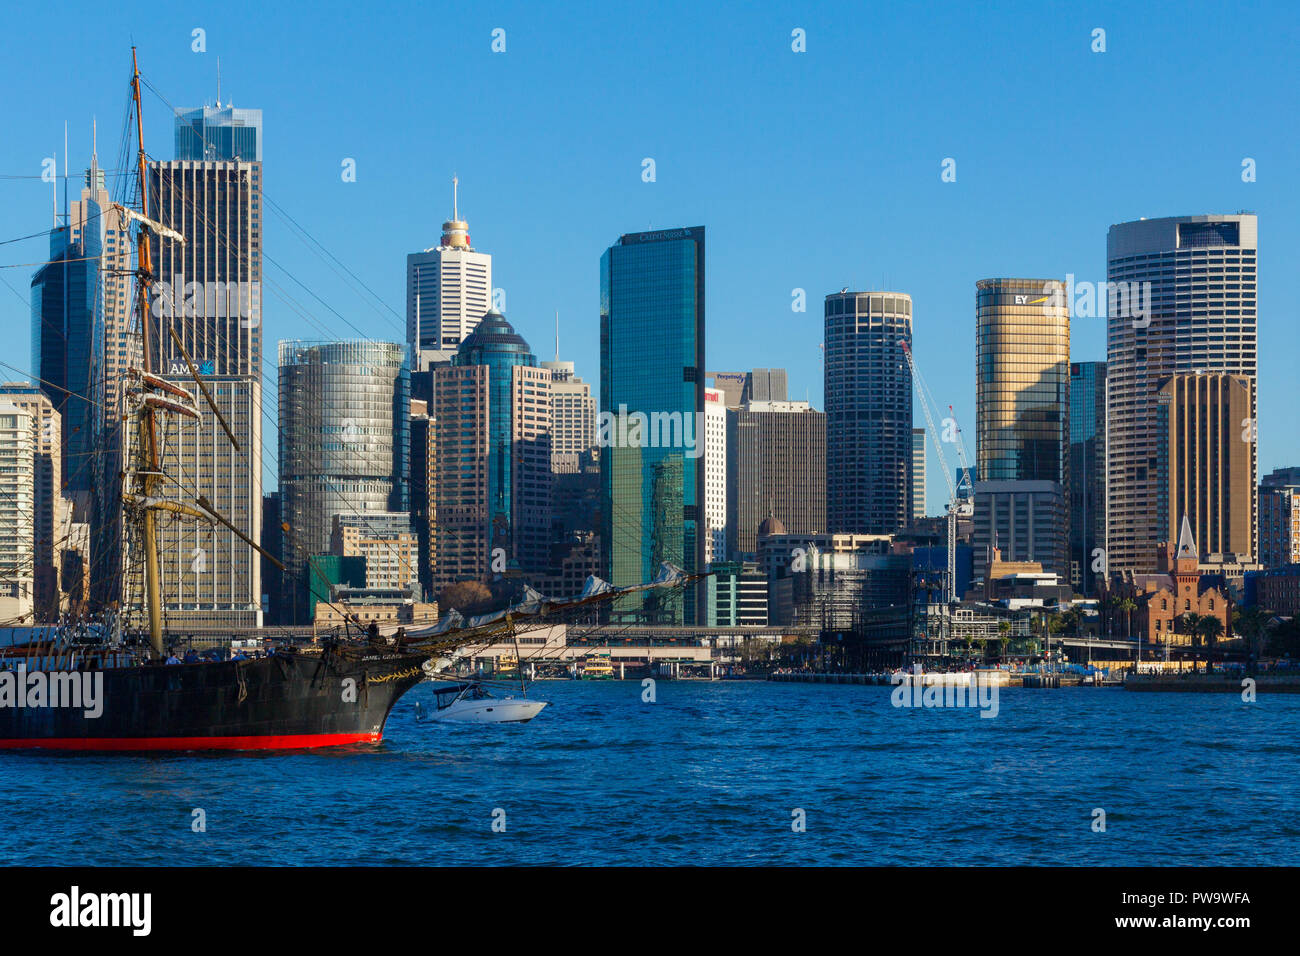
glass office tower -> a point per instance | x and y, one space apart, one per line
217 132
652 363
512 454
1022 380
1022 421
67 350
344 443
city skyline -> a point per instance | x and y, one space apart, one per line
542 226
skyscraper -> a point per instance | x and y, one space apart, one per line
49 507
715 476
652 363
493 414
1022 380
424 500
96 213
776 466
448 290
1022 418
344 441
1279 518
209 288
1197 278
67 345
756 385
1087 472
17 529
1205 465
208 295
573 416
868 389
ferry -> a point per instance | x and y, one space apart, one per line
596 667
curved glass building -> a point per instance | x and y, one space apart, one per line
344 441
496 345
1022 380
1022 422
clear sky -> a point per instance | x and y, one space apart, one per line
813 170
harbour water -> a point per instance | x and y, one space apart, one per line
710 773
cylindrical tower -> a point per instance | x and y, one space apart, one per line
344 442
868 412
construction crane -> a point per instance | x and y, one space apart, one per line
958 505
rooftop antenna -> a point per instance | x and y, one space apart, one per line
93 184
557 335
455 199
67 218
218 82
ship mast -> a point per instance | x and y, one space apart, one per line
156 394
146 454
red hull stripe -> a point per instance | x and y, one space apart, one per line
285 742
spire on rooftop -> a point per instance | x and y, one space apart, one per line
1186 544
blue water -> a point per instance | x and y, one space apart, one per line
709 774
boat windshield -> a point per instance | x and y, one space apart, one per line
449 695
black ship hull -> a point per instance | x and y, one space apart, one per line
284 701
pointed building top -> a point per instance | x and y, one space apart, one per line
1186 544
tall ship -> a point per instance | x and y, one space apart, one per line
95 684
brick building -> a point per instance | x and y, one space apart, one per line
1177 587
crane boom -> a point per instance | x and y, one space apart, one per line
957 506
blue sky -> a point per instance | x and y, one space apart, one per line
813 170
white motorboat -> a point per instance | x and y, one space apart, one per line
471 703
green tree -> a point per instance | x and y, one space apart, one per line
1127 606
469 597
1191 625
1072 618
1251 623
1212 628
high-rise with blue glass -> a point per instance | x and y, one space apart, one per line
492 415
67 346
219 132
652 410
